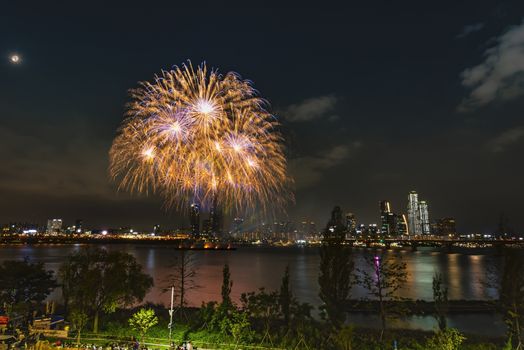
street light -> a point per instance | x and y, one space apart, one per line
170 325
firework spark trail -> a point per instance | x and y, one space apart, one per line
194 135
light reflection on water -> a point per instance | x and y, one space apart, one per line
464 272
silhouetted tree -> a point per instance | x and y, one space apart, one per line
511 293
99 281
440 298
183 276
383 278
24 282
336 266
227 285
285 297
262 307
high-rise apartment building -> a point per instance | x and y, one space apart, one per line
414 223
418 215
424 217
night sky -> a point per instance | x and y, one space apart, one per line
376 99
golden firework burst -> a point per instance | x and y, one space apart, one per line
195 135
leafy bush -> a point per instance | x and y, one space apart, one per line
448 339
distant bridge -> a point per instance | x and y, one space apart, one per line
415 242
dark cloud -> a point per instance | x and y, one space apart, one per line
310 169
469 29
501 75
75 165
506 139
310 109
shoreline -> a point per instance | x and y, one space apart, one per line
189 244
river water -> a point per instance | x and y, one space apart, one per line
465 272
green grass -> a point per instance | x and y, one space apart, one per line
159 334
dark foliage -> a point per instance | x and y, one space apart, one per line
336 267
96 281
25 282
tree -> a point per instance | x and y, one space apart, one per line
98 281
142 320
383 278
440 298
79 320
237 325
511 294
448 339
336 266
227 285
182 279
285 297
24 282
263 307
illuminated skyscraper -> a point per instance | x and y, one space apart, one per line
418 215
424 217
414 222
194 219
387 219
401 225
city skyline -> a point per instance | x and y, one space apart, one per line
398 222
391 223
369 112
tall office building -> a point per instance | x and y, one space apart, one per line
446 227
414 223
351 224
335 226
401 224
156 229
194 219
388 225
54 226
424 217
